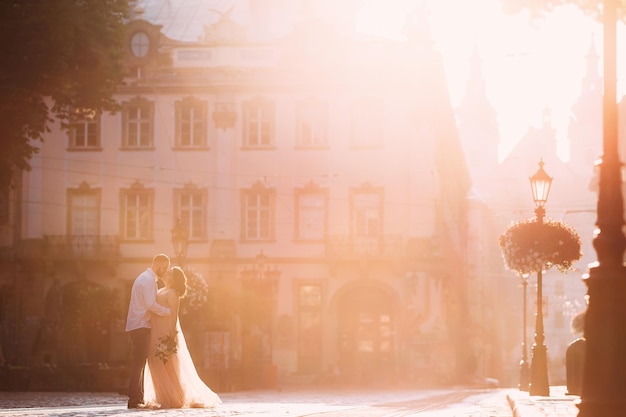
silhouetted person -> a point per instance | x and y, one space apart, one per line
575 356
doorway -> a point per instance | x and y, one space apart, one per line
366 345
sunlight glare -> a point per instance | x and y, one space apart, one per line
527 68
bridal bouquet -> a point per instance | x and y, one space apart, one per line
166 347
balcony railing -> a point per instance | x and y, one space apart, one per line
385 246
81 246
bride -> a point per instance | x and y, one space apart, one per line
171 380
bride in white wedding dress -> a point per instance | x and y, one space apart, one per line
171 381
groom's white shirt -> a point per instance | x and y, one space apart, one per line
143 301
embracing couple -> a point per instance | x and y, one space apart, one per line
170 379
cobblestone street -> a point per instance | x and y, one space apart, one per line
287 403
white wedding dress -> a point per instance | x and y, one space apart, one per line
176 383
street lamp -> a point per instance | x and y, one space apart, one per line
180 241
604 373
523 364
540 184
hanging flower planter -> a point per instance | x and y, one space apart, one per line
528 246
193 308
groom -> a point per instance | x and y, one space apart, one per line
142 304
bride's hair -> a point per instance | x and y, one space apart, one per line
179 280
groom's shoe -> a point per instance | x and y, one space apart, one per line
136 405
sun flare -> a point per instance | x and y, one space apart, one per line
527 67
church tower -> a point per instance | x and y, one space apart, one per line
585 129
478 125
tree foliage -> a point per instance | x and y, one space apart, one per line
58 57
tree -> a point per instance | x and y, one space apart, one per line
60 59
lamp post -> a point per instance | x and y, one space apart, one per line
524 371
604 372
180 241
540 184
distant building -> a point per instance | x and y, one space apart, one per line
504 190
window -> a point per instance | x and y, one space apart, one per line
367 123
258 213
84 211
311 213
312 124
258 119
366 222
140 44
137 212
191 123
190 207
366 213
309 328
137 121
84 132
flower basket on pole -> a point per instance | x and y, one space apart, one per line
529 246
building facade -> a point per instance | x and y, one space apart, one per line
318 185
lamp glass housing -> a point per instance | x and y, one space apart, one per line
540 184
180 239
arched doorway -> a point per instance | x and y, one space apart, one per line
366 322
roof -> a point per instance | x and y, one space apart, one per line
185 20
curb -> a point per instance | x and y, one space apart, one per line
523 410
558 404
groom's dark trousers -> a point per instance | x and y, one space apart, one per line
140 341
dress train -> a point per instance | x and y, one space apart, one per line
176 383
